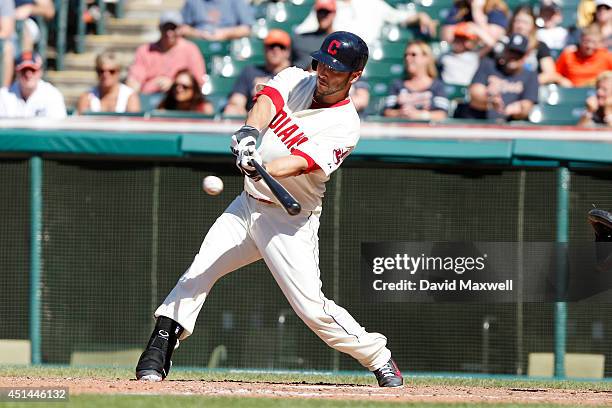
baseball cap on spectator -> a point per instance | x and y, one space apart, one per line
170 17
276 36
329 5
607 3
28 59
464 30
518 44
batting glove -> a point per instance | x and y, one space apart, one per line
243 161
245 132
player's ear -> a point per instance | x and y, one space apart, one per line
355 75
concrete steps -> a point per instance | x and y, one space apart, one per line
117 42
86 61
132 26
150 8
138 26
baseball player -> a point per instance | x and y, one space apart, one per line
306 125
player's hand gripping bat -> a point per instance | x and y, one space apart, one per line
289 203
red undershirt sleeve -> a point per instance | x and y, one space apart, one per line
312 165
274 95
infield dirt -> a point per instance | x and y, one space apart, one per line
408 393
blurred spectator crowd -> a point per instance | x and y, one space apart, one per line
430 60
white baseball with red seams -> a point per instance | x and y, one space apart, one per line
212 185
251 229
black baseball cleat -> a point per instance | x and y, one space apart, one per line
389 375
601 221
154 363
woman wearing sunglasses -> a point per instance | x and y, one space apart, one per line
110 95
185 95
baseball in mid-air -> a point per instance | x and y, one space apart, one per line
213 185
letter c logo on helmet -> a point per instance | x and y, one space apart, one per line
342 51
333 47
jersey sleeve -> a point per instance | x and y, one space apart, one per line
329 151
439 100
280 86
392 98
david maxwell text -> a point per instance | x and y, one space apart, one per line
445 286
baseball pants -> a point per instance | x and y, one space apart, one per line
249 230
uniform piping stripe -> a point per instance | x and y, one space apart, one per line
315 254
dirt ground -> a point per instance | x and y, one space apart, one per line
326 391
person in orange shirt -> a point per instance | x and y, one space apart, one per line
582 65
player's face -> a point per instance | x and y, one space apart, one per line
331 82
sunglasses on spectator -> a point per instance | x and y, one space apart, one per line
28 69
602 7
185 87
324 12
111 71
281 46
169 27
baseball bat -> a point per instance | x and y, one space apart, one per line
289 203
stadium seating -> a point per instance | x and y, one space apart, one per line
216 84
555 95
388 51
179 115
383 70
217 89
558 115
251 49
149 102
210 49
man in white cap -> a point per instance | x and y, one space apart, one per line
156 64
29 96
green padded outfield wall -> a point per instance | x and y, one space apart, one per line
118 234
14 248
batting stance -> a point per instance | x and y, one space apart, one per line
307 126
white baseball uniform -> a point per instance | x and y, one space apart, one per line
255 226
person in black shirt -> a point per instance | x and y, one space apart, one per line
501 87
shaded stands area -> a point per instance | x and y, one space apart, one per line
558 106
225 60
65 31
69 48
